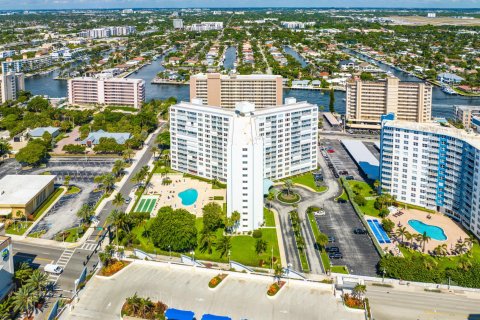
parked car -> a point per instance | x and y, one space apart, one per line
331 239
359 231
127 201
319 213
335 255
332 249
53 268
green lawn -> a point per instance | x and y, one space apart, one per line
18 228
52 198
73 190
445 262
325 260
304 261
340 269
269 218
343 196
307 180
366 190
243 247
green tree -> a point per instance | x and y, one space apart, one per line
224 245
388 225
23 272
33 153
321 240
66 181
360 200
163 140
38 104
85 213
118 200
278 271
425 239
359 291
174 229
401 232
331 104
5 148
261 246
212 216
118 167
287 186
207 240
38 281
24 300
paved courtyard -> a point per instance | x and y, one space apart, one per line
168 193
241 296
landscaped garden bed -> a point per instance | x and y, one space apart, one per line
288 197
275 288
215 281
113 267
143 308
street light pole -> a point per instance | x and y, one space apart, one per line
272 260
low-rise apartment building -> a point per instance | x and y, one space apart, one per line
226 90
367 101
242 146
433 166
113 91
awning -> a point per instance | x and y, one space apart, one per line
214 317
267 184
176 314
5 211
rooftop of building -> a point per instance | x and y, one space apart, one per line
290 105
465 107
109 79
38 132
237 76
20 189
436 128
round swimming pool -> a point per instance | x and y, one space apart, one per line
188 196
434 232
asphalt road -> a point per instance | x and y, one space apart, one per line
126 188
391 304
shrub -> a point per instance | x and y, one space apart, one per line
352 302
388 225
113 267
73 148
257 234
360 200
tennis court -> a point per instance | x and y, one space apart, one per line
146 204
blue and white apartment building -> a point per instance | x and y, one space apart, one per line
433 166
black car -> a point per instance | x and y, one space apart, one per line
335 255
332 249
359 231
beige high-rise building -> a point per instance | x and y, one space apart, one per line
10 84
226 90
367 101
113 91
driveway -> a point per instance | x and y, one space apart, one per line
241 296
70 139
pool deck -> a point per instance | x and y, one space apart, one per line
452 229
168 194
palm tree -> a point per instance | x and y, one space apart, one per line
401 232
118 201
5 148
359 290
408 237
118 167
261 246
270 198
118 219
85 213
321 240
278 271
38 281
461 247
23 272
127 154
224 245
207 240
108 182
135 303
469 241
155 150
24 300
424 239
287 185
464 263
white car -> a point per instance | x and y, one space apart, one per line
53 268
319 213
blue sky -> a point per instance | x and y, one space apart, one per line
69 4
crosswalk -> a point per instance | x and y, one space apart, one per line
89 245
62 262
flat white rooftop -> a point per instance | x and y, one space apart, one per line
363 157
20 189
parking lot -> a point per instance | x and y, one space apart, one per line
358 251
82 172
339 160
371 147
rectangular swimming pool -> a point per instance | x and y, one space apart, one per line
378 231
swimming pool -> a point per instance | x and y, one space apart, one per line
433 232
188 196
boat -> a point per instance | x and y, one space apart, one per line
448 90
